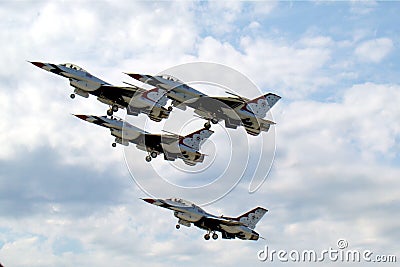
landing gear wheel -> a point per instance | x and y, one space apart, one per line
177 226
148 158
207 125
113 144
215 236
153 154
114 108
110 112
170 108
207 237
214 121
72 96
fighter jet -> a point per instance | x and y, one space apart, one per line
171 145
235 111
136 100
188 213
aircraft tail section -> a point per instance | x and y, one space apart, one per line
260 105
271 99
195 139
251 218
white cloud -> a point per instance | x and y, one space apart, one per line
335 165
374 50
316 41
227 11
283 67
359 7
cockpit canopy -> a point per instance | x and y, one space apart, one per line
170 78
72 66
183 202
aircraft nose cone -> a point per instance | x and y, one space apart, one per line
82 117
149 200
135 76
37 64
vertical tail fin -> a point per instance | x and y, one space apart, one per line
260 105
251 218
195 139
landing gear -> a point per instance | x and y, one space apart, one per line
148 158
208 235
72 96
153 154
114 144
112 109
207 125
177 226
170 108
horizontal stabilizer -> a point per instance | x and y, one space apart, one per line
195 139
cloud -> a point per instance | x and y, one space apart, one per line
374 51
362 7
66 197
285 67
330 155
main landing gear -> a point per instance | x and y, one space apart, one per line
153 154
112 109
214 236
207 125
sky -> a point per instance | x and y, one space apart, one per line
67 198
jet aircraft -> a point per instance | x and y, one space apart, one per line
188 213
235 111
171 145
136 100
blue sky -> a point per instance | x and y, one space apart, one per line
67 197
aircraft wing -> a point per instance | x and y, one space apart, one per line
231 102
121 95
169 138
137 100
221 220
128 91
